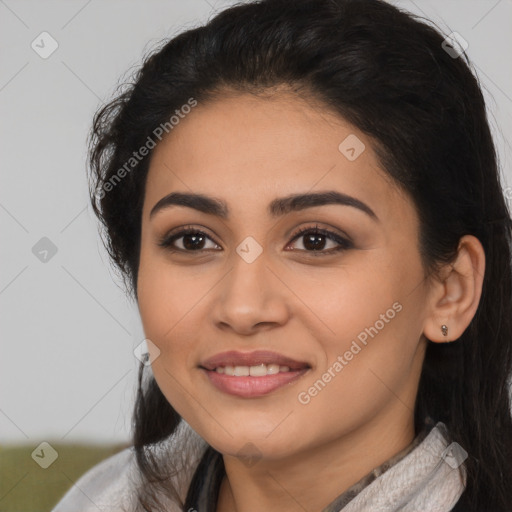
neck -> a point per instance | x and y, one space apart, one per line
312 479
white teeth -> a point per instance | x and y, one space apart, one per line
241 371
258 371
254 371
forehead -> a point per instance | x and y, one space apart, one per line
249 149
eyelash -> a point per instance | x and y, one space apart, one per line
344 244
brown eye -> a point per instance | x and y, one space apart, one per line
187 240
316 240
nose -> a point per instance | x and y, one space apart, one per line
251 298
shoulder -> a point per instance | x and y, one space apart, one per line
106 486
111 485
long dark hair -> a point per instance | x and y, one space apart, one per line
386 71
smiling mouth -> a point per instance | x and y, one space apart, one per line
258 363
260 370
252 374
252 381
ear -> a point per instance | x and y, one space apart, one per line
455 294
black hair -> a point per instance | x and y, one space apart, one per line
388 73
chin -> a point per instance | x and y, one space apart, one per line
255 443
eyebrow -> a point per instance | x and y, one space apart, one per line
276 208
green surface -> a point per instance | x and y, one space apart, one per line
27 487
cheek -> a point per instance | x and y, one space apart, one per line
344 300
368 370
166 305
166 295
372 317
165 302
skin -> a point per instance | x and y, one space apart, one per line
247 151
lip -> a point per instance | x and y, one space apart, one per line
234 358
252 387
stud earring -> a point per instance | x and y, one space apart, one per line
444 330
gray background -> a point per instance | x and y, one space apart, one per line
67 369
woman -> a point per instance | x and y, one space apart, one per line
304 200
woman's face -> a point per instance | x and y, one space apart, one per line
346 304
